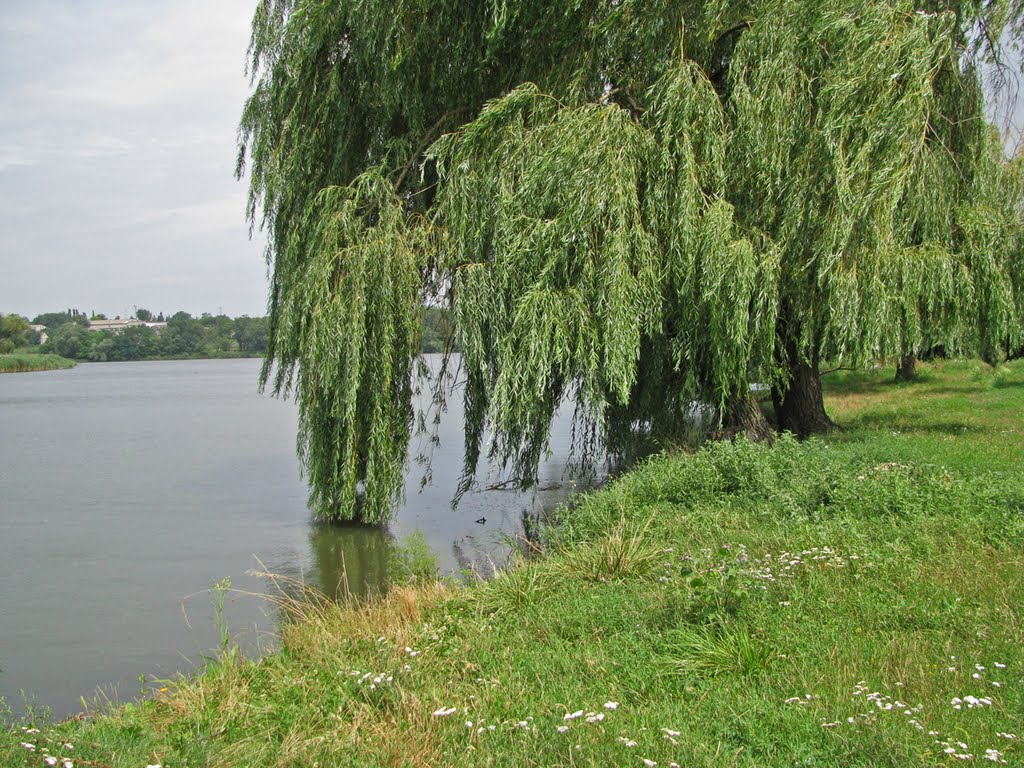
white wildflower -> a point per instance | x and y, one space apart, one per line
611 705
562 728
445 711
573 715
650 763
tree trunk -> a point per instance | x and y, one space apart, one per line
906 369
801 408
743 416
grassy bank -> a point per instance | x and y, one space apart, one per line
855 601
23 362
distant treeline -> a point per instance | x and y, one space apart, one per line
180 335
69 335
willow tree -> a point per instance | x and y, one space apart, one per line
633 205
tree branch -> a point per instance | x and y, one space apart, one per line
432 134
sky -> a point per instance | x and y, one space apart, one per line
118 132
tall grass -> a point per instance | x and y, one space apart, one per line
23 362
856 601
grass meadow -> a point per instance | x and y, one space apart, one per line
856 600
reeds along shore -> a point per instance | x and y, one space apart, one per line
25 363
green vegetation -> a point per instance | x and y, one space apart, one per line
629 205
853 600
28 361
14 332
184 336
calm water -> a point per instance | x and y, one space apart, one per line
128 489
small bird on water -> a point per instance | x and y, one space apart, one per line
482 520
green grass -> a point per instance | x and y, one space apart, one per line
23 362
741 606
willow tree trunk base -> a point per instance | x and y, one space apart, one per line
801 408
744 416
906 369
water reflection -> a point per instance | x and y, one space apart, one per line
350 559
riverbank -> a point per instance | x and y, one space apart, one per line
848 601
25 362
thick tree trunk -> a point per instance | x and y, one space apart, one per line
801 408
743 416
906 368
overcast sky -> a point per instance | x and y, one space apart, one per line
117 150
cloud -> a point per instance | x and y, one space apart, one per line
224 214
117 140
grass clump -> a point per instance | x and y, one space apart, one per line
24 362
854 601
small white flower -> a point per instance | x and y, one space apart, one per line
29 747
445 711
650 763
669 732
562 728
573 715
997 665
626 742
68 764
595 717
611 705
50 760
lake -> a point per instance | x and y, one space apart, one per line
128 489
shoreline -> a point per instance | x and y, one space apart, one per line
812 586
31 362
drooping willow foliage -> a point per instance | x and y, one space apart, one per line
630 205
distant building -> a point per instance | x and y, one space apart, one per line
116 326
41 330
